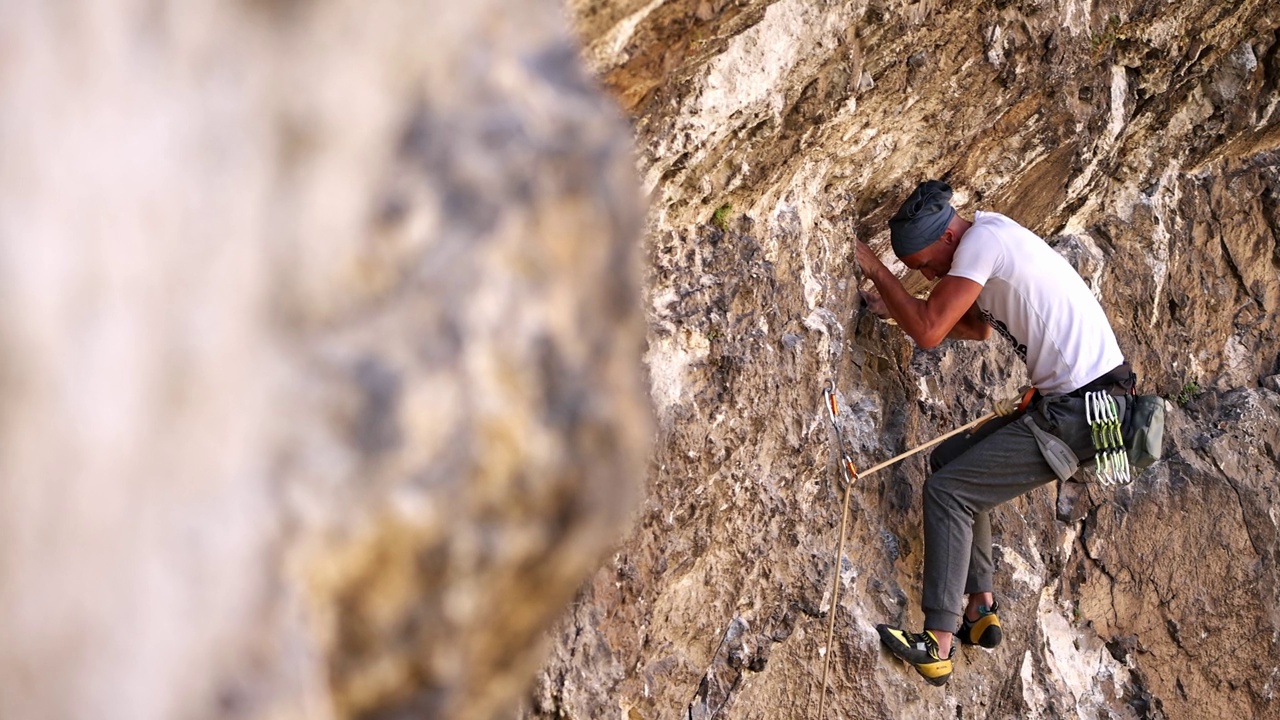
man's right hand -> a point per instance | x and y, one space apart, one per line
867 259
874 303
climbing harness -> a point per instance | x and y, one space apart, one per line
1111 456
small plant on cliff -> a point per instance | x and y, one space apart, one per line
720 218
1107 37
1189 390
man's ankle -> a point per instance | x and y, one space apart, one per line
944 642
977 601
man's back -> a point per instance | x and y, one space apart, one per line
1033 297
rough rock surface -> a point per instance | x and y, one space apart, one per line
320 378
1143 140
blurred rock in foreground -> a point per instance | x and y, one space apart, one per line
320 389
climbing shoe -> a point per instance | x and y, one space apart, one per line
984 631
919 649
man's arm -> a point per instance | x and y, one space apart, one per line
949 311
971 326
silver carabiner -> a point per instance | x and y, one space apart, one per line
829 399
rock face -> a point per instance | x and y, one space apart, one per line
1142 139
320 378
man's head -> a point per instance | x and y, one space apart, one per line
923 220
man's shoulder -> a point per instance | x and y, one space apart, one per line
995 222
986 231
988 227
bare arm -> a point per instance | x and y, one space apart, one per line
949 311
971 326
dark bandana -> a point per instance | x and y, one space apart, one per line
922 218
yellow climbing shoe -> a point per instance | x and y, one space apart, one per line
984 631
920 650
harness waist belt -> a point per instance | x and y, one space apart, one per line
1120 380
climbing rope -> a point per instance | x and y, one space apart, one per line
926 446
850 473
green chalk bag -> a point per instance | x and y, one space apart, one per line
1147 425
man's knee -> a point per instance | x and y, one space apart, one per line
945 494
937 491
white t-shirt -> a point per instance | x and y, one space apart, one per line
1035 299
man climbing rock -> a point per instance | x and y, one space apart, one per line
992 273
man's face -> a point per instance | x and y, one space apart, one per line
933 261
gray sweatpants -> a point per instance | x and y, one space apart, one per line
973 473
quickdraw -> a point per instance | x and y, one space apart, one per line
1111 458
848 470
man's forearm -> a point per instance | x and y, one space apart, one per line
913 316
902 305
971 327
930 321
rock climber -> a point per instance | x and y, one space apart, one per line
991 273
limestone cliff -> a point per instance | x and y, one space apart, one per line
320 343
1142 139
